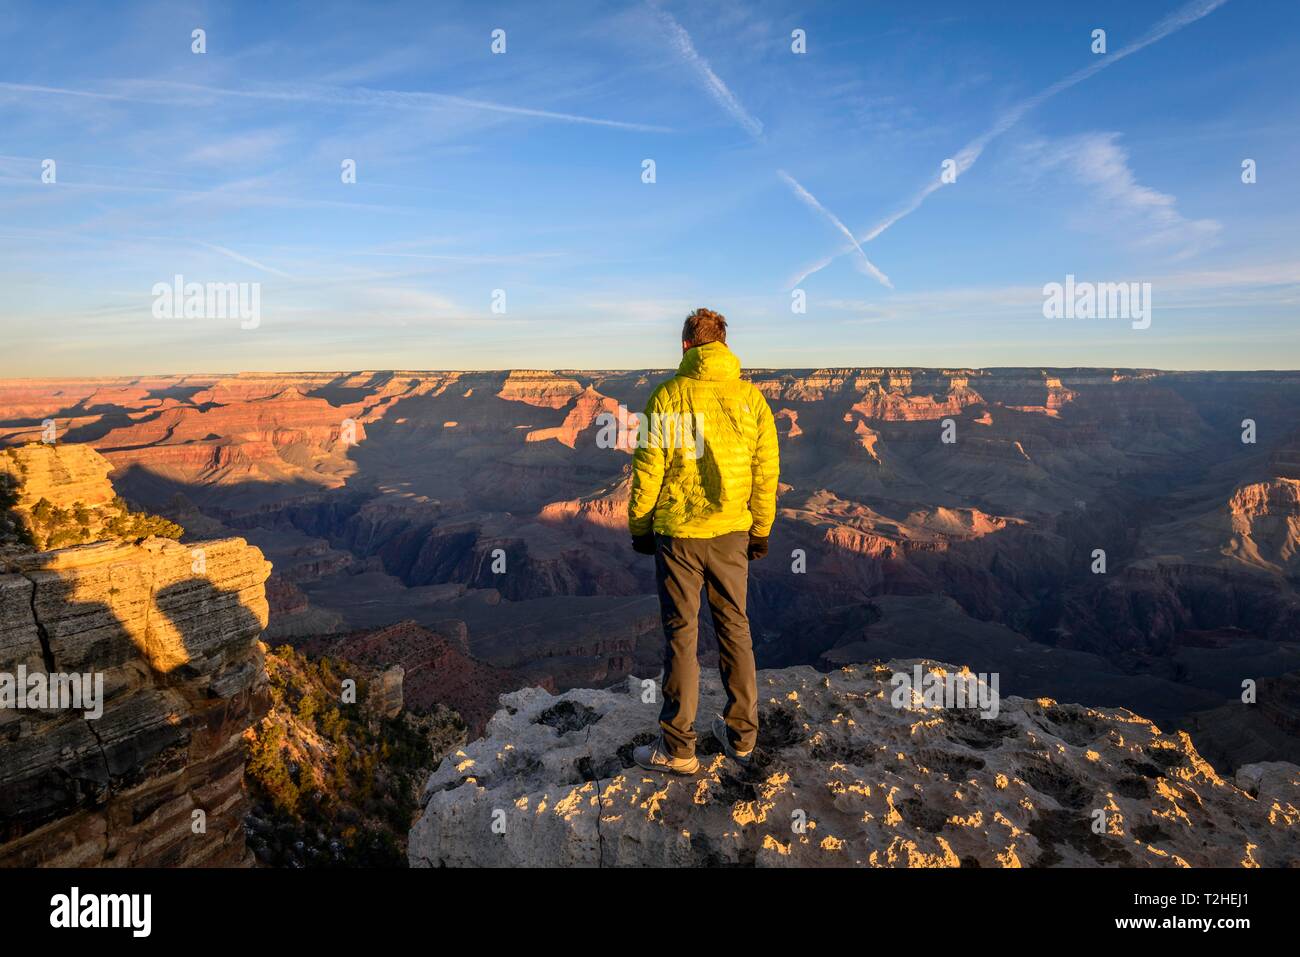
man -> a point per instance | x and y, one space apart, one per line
703 502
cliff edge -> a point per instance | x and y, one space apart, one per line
129 669
845 778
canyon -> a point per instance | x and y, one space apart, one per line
469 527
383 497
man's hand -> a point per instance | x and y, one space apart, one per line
757 547
644 544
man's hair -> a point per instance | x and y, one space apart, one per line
705 325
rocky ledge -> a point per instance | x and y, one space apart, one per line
170 631
844 778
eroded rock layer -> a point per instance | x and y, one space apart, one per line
146 767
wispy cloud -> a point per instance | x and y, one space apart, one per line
1148 215
1270 284
64 91
401 99
968 155
258 144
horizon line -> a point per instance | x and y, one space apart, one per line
633 369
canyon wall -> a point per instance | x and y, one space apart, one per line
171 631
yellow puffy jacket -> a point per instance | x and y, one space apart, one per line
706 461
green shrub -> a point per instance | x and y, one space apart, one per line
363 791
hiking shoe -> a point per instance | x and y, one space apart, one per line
720 732
656 757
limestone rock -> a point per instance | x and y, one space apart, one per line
175 641
844 778
386 691
63 475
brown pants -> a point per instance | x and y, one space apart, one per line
682 567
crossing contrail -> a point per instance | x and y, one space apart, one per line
968 154
865 263
747 121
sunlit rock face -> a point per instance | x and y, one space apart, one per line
64 475
850 771
540 388
164 636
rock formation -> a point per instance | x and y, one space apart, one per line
843 777
63 475
171 630
336 784
386 696
424 668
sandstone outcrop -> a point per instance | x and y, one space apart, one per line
844 778
539 388
63 475
386 696
171 632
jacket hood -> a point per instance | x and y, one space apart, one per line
712 361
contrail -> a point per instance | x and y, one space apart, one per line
402 99
969 153
811 200
60 91
237 257
336 96
729 102
712 82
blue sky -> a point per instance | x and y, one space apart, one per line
522 172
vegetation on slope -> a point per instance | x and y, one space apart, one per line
334 782
50 526
45 526
13 530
